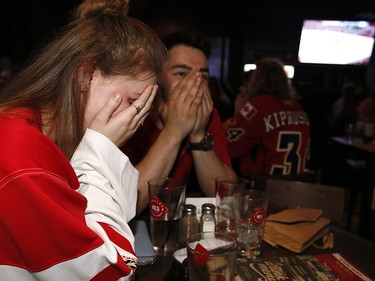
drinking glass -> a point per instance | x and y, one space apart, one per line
250 214
167 196
226 187
211 256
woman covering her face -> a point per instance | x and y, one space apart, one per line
67 192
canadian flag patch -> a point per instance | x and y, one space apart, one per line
248 111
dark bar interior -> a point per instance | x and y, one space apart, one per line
242 32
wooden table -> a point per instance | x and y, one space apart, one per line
360 251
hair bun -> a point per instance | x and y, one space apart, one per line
92 8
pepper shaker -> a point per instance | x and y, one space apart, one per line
189 224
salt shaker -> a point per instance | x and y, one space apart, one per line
189 224
207 220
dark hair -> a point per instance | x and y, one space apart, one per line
246 76
348 90
269 78
188 38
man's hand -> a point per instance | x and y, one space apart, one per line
203 116
120 126
179 112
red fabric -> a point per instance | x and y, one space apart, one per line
41 214
366 108
113 273
147 134
269 136
118 239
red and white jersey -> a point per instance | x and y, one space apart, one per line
53 225
269 136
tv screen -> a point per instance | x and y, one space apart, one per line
336 42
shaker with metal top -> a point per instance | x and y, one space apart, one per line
207 220
189 223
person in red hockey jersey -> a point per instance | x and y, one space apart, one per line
183 137
271 133
67 192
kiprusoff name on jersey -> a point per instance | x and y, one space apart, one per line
285 118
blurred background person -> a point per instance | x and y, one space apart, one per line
271 133
344 112
243 91
366 107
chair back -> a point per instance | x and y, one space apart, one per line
295 194
260 181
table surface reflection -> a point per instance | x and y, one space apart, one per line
355 143
360 251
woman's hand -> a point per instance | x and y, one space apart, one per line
120 126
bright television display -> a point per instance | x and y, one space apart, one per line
336 42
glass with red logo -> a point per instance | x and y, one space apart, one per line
167 196
226 187
250 214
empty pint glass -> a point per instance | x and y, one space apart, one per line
250 213
226 187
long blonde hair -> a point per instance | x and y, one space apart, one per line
101 36
269 78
